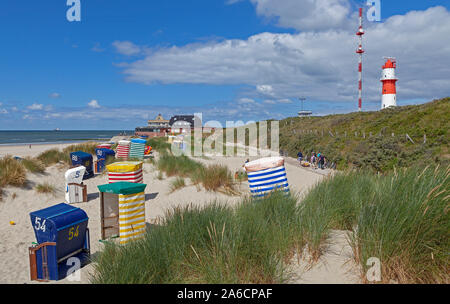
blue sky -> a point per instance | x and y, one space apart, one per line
127 61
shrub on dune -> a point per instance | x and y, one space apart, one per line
88 147
12 172
45 188
53 156
33 165
178 183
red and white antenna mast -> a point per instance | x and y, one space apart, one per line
360 51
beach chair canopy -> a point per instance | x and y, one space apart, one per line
125 166
75 175
124 188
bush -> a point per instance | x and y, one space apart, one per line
45 188
88 147
33 165
159 144
53 156
178 183
213 178
12 172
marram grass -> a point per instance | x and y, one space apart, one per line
213 244
401 218
12 172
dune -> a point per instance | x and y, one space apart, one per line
19 202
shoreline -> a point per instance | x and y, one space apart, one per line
51 142
24 150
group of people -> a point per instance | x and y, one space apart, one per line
316 161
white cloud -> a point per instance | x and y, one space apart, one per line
265 89
36 106
55 95
319 66
246 101
3 111
269 101
94 104
310 15
97 48
126 48
285 100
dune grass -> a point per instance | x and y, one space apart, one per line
159 144
54 156
45 188
213 177
250 243
178 183
33 165
401 218
88 147
12 172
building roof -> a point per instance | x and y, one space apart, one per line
158 119
186 118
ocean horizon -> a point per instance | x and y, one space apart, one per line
21 137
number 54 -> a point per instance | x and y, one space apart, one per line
73 233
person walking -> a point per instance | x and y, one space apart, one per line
300 157
321 162
313 160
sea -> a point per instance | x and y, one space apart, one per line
52 137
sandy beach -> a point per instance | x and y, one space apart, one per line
336 266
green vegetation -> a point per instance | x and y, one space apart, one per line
251 243
12 172
33 165
45 188
178 183
159 144
88 147
213 177
401 218
373 146
54 156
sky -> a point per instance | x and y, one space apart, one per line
125 62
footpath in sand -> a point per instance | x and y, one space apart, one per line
17 204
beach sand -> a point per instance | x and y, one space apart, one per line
17 203
25 150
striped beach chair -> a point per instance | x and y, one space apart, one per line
137 148
123 149
266 175
125 172
129 200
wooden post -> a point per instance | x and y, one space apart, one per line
409 138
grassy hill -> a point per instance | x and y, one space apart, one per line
376 140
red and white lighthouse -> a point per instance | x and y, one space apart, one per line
389 97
